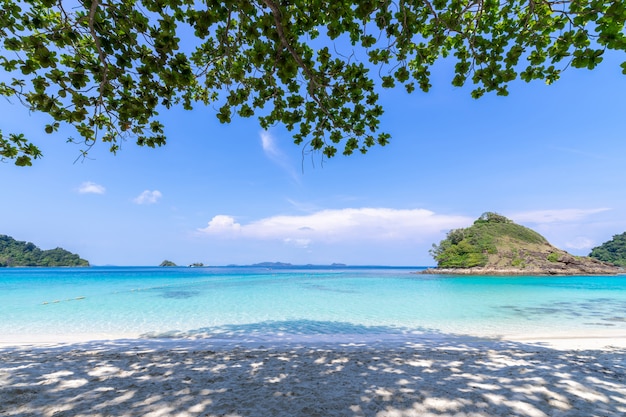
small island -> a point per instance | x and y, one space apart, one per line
18 253
495 245
167 263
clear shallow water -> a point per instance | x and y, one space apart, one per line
260 304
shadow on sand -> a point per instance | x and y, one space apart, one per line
444 375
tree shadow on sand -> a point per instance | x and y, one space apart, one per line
294 330
444 375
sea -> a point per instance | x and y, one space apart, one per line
260 304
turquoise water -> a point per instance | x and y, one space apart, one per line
260 304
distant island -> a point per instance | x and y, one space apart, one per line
278 265
272 264
288 265
494 245
613 251
19 253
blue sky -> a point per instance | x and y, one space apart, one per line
549 157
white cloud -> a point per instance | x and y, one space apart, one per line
350 224
298 243
222 224
148 197
273 152
89 187
580 243
554 216
269 145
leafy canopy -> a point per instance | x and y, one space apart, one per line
108 68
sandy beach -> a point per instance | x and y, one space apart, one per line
445 377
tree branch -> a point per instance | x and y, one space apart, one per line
283 40
313 83
101 55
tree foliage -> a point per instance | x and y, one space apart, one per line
613 251
108 68
471 246
18 253
490 217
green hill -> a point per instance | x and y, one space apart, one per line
18 253
613 251
494 244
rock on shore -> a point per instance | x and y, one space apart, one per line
576 267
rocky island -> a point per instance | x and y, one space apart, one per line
495 245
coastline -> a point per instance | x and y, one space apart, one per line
606 339
495 271
443 377
328 368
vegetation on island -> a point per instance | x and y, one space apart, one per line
495 244
472 246
167 263
108 69
19 253
613 251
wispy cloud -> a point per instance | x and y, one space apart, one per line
269 145
554 216
350 224
89 187
276 155
298 243
305 207
581 153
148 197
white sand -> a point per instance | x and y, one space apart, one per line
443 377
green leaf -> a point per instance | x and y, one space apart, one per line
112 83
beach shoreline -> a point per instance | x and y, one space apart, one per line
563 340
443 377
388 346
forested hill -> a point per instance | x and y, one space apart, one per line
613 251
496 245
17 253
